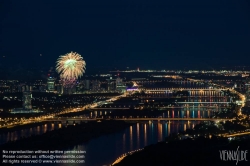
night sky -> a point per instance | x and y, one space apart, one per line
165 34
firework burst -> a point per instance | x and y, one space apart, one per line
68 83
70 67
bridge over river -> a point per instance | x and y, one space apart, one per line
80 119
160 108
191 91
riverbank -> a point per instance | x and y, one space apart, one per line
21 127
67 137
198 146
200 151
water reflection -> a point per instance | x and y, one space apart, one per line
159 131
15 135
131 137
107 148
168 125
139 136
145 133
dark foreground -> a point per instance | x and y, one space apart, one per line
66 137
188 152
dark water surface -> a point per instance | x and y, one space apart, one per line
104 150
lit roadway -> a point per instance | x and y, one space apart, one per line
184 89
242 97
53 115
238 134
197 102
136 119
111 108
161 108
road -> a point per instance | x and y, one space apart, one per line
238 134
136 119
165 107
53 115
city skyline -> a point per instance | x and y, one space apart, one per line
124 82
209 104
114 34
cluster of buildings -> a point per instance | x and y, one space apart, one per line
53 85
94 85
111 83
243 73
26 101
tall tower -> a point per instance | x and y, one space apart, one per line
27 96
111 84
118 81
51 84
120 87
59 87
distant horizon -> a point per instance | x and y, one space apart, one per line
90 65
121 68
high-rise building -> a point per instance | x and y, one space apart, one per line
51 84
118 81
120 86
95 85
27 106
80 87
59 88
27 96
20 87
111 85
86 84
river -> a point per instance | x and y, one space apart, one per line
105 149
40 129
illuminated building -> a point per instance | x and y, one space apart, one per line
120 87
27 107
118 81
59 88
79 87
27 96
111 85
51 84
